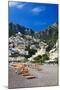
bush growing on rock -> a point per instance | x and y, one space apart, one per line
41 59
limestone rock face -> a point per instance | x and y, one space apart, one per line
53 54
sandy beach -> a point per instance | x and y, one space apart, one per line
47 76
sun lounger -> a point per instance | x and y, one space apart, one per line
26 74
30 77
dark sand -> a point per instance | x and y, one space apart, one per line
48 76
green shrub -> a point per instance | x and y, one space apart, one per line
45 57
31 52
25 60
16 54
38 57
41 59
53 62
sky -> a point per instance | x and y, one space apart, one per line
37 16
